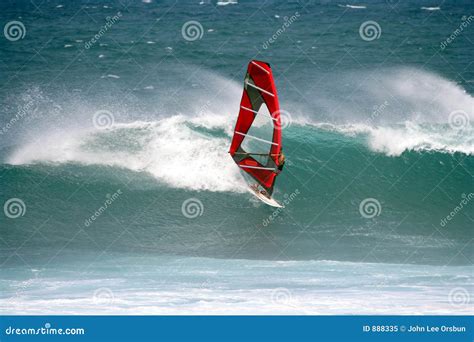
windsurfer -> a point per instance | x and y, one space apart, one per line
281 161
255 188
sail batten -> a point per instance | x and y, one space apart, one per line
256 138
261 68
261 89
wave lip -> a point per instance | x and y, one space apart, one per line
393 140
180 152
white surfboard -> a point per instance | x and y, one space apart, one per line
269 201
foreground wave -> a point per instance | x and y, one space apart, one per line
332 173
170 147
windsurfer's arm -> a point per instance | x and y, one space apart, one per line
281 161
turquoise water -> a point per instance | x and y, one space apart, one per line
104 147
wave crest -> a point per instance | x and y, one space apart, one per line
174 150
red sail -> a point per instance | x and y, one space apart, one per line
259 90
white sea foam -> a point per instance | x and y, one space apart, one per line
353 6
226 2
184 151
171 149
191 151
110 76
216 286
399 109
409 136
434 8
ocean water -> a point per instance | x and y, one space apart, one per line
119 195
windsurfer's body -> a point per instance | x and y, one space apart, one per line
255 188
281 163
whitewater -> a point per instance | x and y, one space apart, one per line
167 148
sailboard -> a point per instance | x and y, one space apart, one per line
256 144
